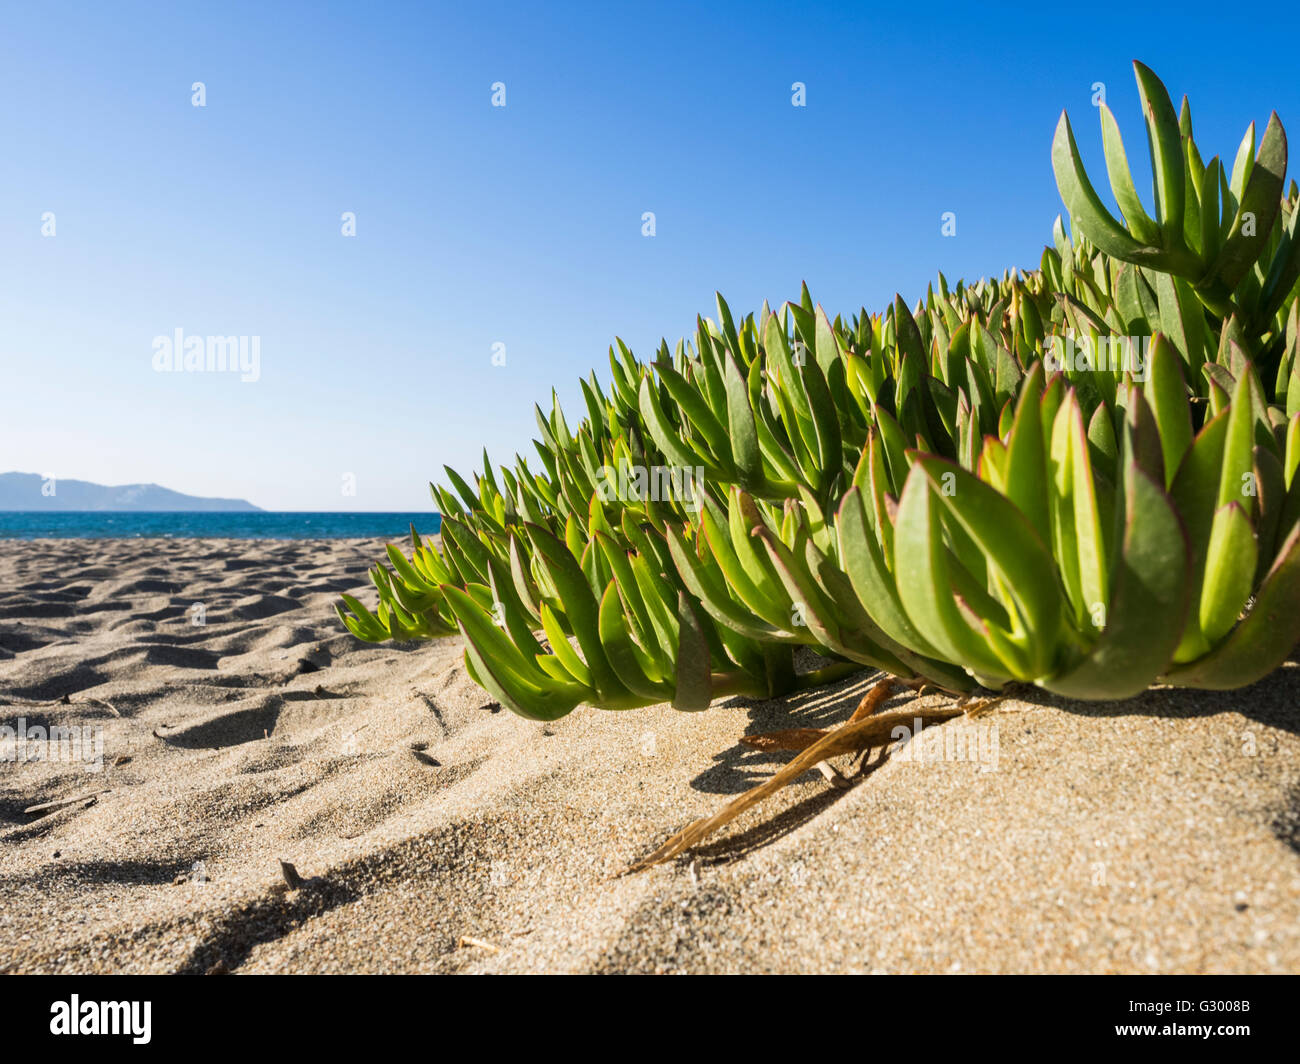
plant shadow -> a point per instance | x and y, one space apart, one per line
1273 702
739 767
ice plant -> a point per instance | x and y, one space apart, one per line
1083 477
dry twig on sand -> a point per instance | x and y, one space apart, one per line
62 803
64 701
867 728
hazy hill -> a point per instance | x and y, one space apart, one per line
23 491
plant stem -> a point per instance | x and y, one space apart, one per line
778 665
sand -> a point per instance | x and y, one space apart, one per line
436 832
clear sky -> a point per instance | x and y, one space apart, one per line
519 225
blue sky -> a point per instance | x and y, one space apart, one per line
519 225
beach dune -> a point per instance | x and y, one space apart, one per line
257 791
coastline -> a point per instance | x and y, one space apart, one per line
201 524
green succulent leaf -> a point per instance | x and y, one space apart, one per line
1263 639
925 580
694 689
1165 140
1121 182
1252 225
1085 206
1148 600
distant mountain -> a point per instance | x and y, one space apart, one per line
27 491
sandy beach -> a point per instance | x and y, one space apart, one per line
434 831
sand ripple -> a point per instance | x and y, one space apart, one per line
1162 834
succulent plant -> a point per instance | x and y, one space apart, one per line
933 491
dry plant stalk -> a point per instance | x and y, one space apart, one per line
864 730
793 739
802 738
45 808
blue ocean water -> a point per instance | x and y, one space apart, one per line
98 524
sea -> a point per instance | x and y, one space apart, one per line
119 524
